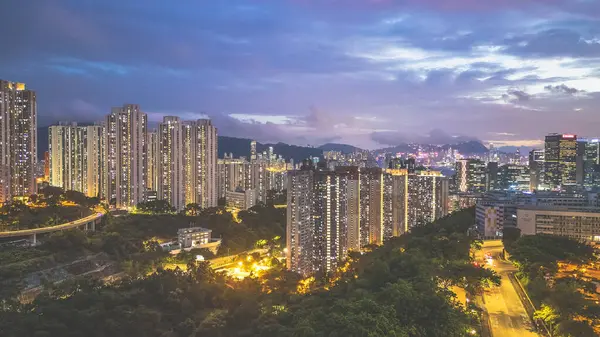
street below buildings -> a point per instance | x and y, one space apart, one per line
507 315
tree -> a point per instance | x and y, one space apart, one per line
192 209
547 315
76 197
510 235
155 207
52 194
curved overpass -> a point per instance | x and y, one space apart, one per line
89 221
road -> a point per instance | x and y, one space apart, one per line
50 229
508 317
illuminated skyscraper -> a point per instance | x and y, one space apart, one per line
200 163
94 161
427 198
233 174
536 169
153 148
560 161
126 130
330 219
300 226
590 163
253 150
371 206
471 175
171 165
413 199
76 158
515 177
67 157
258 179
18 140
317 219
352 199
395 202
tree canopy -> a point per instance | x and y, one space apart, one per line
398 289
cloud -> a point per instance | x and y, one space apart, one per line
375 72
562 89
554 42
517 96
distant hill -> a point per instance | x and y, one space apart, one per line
241 147
470 147
343 148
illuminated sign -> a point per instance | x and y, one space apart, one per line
568 136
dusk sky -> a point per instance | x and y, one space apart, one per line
370 73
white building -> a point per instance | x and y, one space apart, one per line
125 168
153 150
171 169
498 209
200 144
197 238
412 199
233 174
580 224
241 199
18 140
76 158
300 227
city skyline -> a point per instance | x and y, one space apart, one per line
369 73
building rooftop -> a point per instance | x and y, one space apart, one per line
193 230
561 209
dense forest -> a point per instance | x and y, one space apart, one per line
398 289
552 269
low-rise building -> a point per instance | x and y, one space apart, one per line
241 199
197 238
576 223
498 209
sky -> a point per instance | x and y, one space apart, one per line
370 73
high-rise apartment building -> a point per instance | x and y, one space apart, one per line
253 150
153 149
395 202
300 226
371 206
182 162
471 176
18 140
125 136
352 189
331 212
560 161
258 179
233 174
427 198
171 186
67 156
76 158
330 219
412 199
94 160
317 218
200 162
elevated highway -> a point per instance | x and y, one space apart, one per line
89 223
